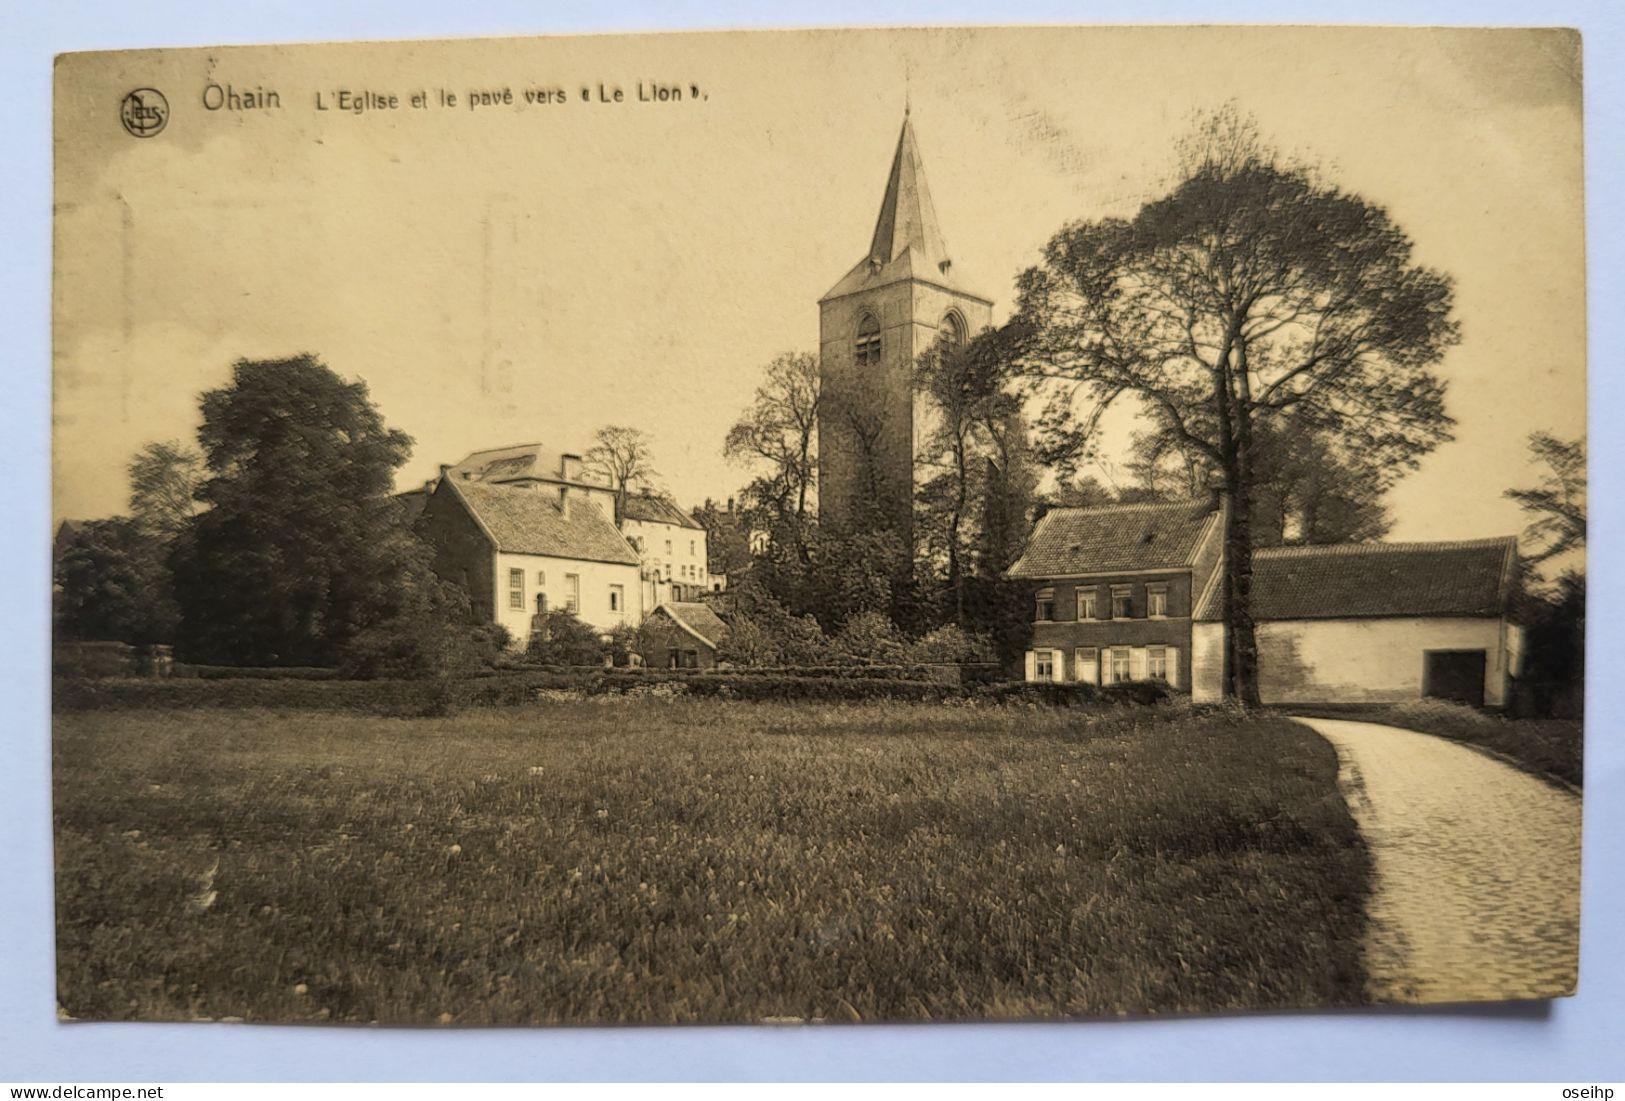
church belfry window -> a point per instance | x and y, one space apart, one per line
866 349
952 329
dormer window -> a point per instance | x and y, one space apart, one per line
866 349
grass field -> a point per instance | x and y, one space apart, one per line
696 860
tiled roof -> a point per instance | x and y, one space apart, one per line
523 460
698 618
1360 580
529 521
650 509
1110 538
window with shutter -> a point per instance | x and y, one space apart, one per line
1032 666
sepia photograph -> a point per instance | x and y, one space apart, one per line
818 527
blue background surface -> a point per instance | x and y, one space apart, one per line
1574 1040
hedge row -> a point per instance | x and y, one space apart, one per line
440 697
245 672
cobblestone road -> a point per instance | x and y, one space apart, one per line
1477 892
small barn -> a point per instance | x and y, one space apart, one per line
682 635
1374 623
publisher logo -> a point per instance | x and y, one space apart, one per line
144 112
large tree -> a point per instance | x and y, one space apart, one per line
971 412
1307 487
163 486
299 546
1557 506
111 584
625 458
777 434
1250 292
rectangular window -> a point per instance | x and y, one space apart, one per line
1045 610
1122 601
1044 665
572 592
1156 601
691 546
1088 604
541 578
1086 664
1156 662
1120 658
615 597
668 546
516 589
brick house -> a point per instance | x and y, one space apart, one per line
1116 589
682 635
1133 592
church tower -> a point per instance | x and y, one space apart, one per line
873 324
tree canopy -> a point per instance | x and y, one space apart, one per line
778 435
300 547
625 458
1557 506
1250 292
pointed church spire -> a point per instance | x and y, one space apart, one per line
908 221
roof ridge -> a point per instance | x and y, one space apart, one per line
1135 506
1380 547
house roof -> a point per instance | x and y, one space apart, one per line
522 460
907 243
1367 580
651 509
1113 538
698 620
531 521
411 504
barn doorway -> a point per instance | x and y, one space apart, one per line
1454 675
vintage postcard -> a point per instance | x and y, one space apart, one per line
821 526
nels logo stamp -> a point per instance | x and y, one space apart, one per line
144 112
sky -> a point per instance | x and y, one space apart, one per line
529 272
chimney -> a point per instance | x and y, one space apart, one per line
443 468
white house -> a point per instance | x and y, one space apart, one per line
1375 622
672 546
520 550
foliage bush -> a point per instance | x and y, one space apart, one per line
870 636
449 695
950 643
561 638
